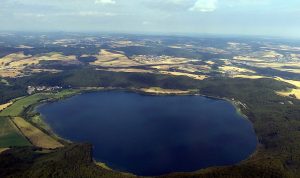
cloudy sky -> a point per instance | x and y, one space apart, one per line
250 17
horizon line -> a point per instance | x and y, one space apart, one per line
176 34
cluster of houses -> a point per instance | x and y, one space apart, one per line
34 89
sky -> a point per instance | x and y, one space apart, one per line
231 17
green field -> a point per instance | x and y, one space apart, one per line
17 108
10 135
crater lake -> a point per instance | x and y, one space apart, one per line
153 135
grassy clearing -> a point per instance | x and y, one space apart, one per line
38 121
36 136
10 135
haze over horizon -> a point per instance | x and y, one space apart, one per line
234 17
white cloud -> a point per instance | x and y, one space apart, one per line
96 13
105 2
176 1
146 22
29 15
205 5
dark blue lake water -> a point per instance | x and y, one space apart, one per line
153 135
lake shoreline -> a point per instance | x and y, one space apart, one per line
143 92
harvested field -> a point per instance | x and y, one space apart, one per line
194 76
129 70
109 59
13 65
3 149
36 136
249 76
4 106
293 93
157 90
293 82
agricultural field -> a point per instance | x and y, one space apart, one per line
18 132
158 90
116 61
113 59
4 106
19 64
294 92
260 74
3 149
10 135
20 105
36 136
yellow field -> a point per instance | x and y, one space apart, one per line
157 90
235 69
9 73
13 65
129 70
175 47
277 64
194 76
249 76
293 82
271 54
3 106
103 165
295 92
160 60
36 136
109 59
210 62
3 149
268 59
